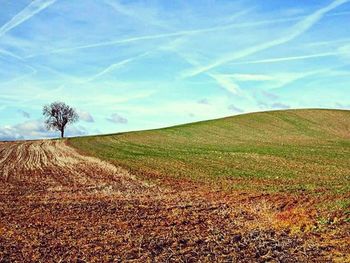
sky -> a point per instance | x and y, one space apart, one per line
134 65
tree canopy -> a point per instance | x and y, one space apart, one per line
58 115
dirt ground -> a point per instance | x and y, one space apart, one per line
57 205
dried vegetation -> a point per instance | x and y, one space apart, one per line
58 205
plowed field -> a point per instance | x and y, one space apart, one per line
57 205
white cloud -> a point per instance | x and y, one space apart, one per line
275 80
142 15
272 106
179 33
342 106
85 116
29 11
223 80
116 66
326 42
10 54
35 129
249 77
174 110
116 118
298 29
345 51
7 133
283 79
279 105
130 40
226 82
233 108
283 59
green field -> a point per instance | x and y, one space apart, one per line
291 151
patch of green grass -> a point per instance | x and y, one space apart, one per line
279 151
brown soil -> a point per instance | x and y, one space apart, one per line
57 205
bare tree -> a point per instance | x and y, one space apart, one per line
58 115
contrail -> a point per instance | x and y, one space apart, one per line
275 60
18 78
298 29
29 11
173 34
178 33
128 40
222 80
325 43
115 66
225 82
137 15
111 43
10 54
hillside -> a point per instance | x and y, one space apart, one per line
260 187
276 151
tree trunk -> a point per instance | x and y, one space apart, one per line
62 133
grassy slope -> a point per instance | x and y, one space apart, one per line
280 151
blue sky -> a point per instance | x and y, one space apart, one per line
130 65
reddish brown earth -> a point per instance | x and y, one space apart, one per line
57 205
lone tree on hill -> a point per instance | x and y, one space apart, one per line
58 115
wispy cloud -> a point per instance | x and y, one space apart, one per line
223 80
85 116
218 107
291 58
179 33
20 61
298 29
10 54
273 106
155 36
136 14
111 43
345 50
29 11
273 80
342 106
279 105
233 108
118 119
327 42
226 82
280 80
128 57
18 78
249 77
35 129
115 66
